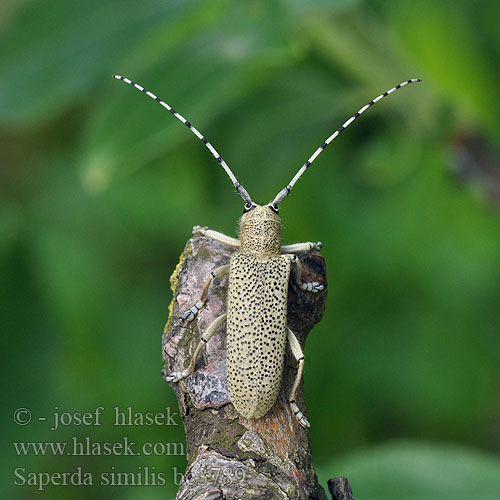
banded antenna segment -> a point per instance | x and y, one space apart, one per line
286 191
241 190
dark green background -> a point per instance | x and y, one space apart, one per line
100 187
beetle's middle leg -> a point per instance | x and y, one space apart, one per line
205 337
190 314
313 286
299 356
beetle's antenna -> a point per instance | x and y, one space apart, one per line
286 191
241 190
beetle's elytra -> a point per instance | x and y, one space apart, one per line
257 314
259 272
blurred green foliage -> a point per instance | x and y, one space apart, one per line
100 188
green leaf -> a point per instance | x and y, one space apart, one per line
54 52
417 471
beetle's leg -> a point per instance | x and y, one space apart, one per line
313 286
190 314
176 376
215 235
302 247
299 356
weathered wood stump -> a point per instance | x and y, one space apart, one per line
229 456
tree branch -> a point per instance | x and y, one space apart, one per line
230 456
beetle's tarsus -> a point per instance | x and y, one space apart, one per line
187 316
190 314
301 418
199 230
175 377
313 287
304 422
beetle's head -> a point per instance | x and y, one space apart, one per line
260 229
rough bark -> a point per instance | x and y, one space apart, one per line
340 489
229 456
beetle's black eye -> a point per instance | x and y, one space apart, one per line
248 206
274 208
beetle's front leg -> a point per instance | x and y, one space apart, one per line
190 314
302 247
215 235
299 356
313 286
176 376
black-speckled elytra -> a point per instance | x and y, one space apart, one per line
257 331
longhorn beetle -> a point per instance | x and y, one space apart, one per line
259 273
